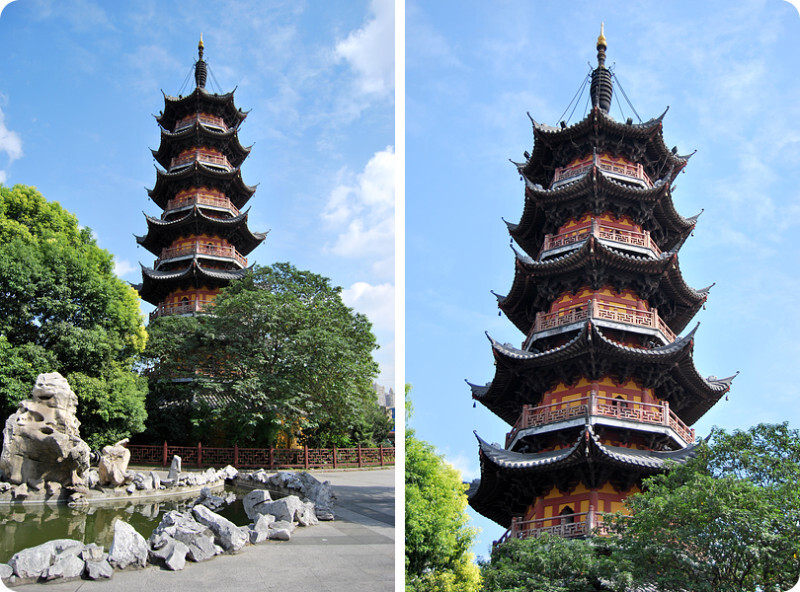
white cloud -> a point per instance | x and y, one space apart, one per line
466 465
377 302
361 212
10 143
369 51
123 267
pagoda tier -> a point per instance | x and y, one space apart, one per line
158 285
523 377
599 132
595 262
651 207
179 147
510 480
162 234
200 104
199 175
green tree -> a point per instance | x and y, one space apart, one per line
554 564
278 350
727 521
438 539
63 309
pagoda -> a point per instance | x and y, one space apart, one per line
201 239
603 389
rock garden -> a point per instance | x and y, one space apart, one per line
44 461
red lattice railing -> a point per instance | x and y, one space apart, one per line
595 405
598 229
599 309
567 526
266 458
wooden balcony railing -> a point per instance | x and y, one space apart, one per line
202 118
198 248
568 526
634 171
202 199
180 308
598 309
596 405
602 231
203 157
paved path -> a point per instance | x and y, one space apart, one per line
354 553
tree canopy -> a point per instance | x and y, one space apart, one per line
727 521
279 350
63 309
437 537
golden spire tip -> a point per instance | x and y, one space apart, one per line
602 39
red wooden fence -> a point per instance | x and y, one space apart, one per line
266 458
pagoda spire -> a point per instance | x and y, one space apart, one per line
200 69
602 87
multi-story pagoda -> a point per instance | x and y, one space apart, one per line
603 390
201 239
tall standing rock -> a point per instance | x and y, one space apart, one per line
41 441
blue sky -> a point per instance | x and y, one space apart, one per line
81 79
727 69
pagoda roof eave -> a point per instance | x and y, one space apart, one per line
522 377
175 107
577 140
171 143
156 285
537 283
509 480
198 175
545 210
161 233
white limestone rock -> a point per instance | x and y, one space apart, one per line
280 534
283 509
228 473
129 548
174 470
176 560
98 570
113 466
65 566
226 533
6 571
253 502
41 441
35 561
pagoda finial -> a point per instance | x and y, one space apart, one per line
200 69
602 87
601 47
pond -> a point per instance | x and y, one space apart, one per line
24 526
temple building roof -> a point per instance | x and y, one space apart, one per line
162 233
522 377
546 210
200 134
510 480
596 263
156 285
199 175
